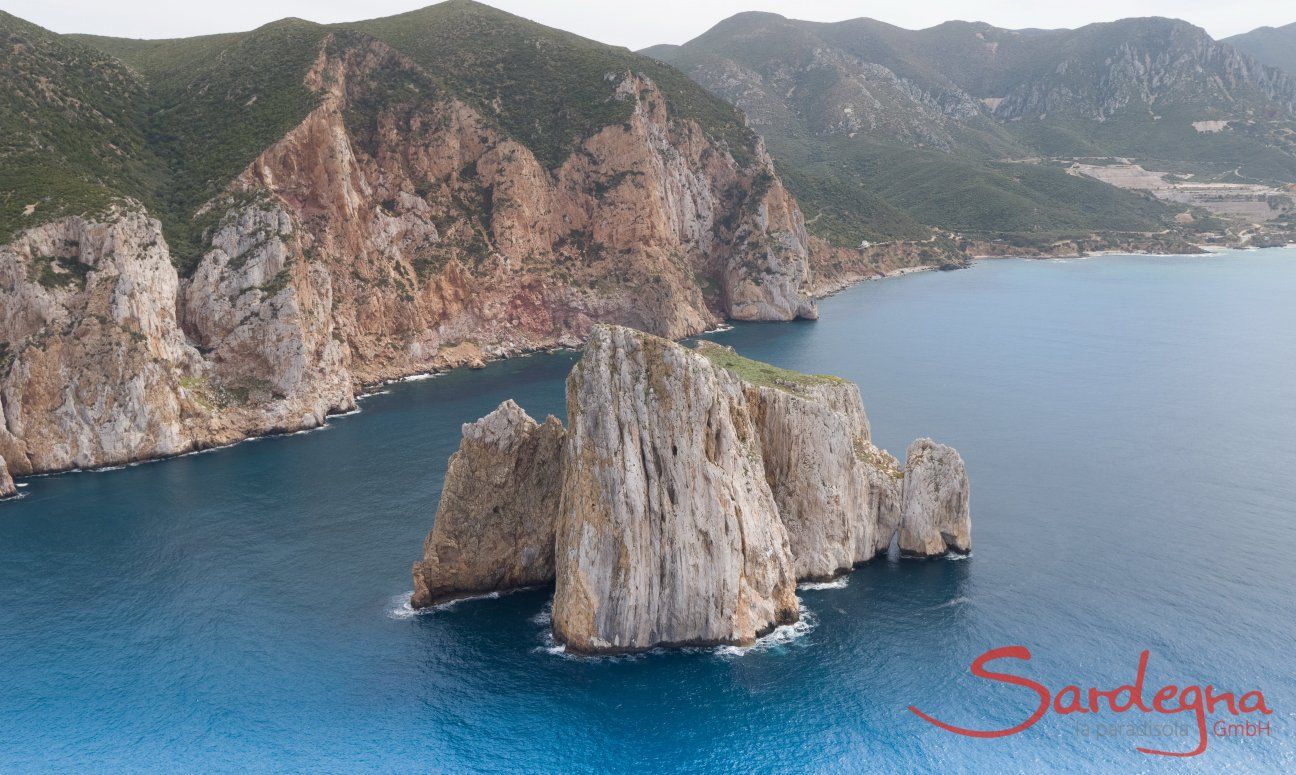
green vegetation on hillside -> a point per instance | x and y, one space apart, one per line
213 104
855 189
881 132
70 129
89 119
549 89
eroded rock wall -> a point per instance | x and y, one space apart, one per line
390 233
934 515
7 488
668 532
696 487
813 463
93 364
494 526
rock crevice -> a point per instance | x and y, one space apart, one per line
7 488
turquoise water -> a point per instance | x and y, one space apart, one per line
1129 426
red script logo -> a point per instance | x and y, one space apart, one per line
1170 699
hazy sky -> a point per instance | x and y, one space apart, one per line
636 23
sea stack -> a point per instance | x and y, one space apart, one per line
668 533
820 464
7 489
934 516
494 526
690 492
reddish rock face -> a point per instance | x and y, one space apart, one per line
390 232
436 229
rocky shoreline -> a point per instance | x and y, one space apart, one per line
473 357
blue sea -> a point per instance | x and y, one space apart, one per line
1129 427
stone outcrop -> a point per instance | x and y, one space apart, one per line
815 446
96 367
93 364
886 479
382 236
668 531
934 517
7 488
262 315
697 487
494 526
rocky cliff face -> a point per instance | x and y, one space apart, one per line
393 231
437 229
817 455
934 517
93 364
697 487
668 531
1159 63
494 526
779 71
262 316
7 489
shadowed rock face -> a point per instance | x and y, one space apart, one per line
494 526
934 517
668 531
7 488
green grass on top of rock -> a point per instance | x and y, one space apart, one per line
760 373
71 137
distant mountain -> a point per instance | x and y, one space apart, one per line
932 126
1275 46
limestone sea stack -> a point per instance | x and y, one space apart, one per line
817 455
7 489
934 508
668 532
494 526
691 491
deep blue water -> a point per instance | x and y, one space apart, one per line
1129 426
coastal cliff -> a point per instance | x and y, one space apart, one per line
934 505
834 489
395 229
696 487
93 364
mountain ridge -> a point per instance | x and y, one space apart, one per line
837 101
1275 46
